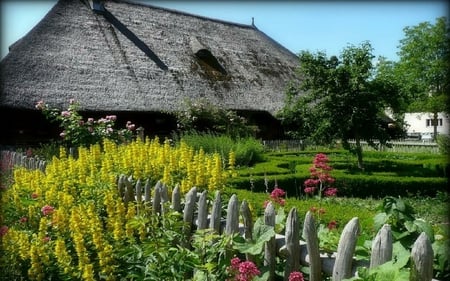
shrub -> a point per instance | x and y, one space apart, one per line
248 151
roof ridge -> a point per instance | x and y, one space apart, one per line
131 2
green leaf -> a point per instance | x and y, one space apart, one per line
423 226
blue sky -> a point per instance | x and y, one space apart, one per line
326 26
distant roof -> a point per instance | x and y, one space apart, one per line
126 56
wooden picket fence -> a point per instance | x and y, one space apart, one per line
199 213
10 159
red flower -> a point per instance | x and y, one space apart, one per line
332 225
296 276
329 192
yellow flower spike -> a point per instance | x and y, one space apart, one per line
88 272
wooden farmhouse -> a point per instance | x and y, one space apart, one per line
141 63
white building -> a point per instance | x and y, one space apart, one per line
421 123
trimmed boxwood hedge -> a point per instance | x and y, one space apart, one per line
386 174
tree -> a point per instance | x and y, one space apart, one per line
338 99
422 70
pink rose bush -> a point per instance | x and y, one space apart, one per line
320 180
79 132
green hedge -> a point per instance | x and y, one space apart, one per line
361 186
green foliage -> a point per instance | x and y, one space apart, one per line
422 70
405 227
444 144
248 151
202 116
338 100
255 246
395 269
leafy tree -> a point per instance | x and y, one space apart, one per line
339 99
422 71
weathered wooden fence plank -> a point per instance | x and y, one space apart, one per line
270 246
382 247
202 215
292 243
312 246
422 259
216 213
232 222
346 249
188 215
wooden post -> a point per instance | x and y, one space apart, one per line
138 192
176 199
216 213
422 259
121 186
382 247
202 216
147 191
292 243
247 218
129 191
232 222
312 246
248 224
188 216
157 199
270 246
347 243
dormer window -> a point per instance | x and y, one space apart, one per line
208 62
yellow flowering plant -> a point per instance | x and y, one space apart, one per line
70 223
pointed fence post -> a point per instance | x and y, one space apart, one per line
247 219
157 199
129 191
121 186
382 247
312 246
232 223
346 248
422 259
270 246
138 192
147 191
176 199
216 213
248 224
188 216
202 215
292 243
164 192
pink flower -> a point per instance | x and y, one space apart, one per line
62 134
90 120
309 190
34 195
23 220
329 192
131 127
277 192
47 210
296 276
66 113
46 239
3 230
242 270
111 117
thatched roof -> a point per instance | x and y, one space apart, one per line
75 52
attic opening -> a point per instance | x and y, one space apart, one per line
209 63
210 60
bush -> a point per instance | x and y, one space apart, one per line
248 151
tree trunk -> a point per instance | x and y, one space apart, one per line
359 155
435 124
